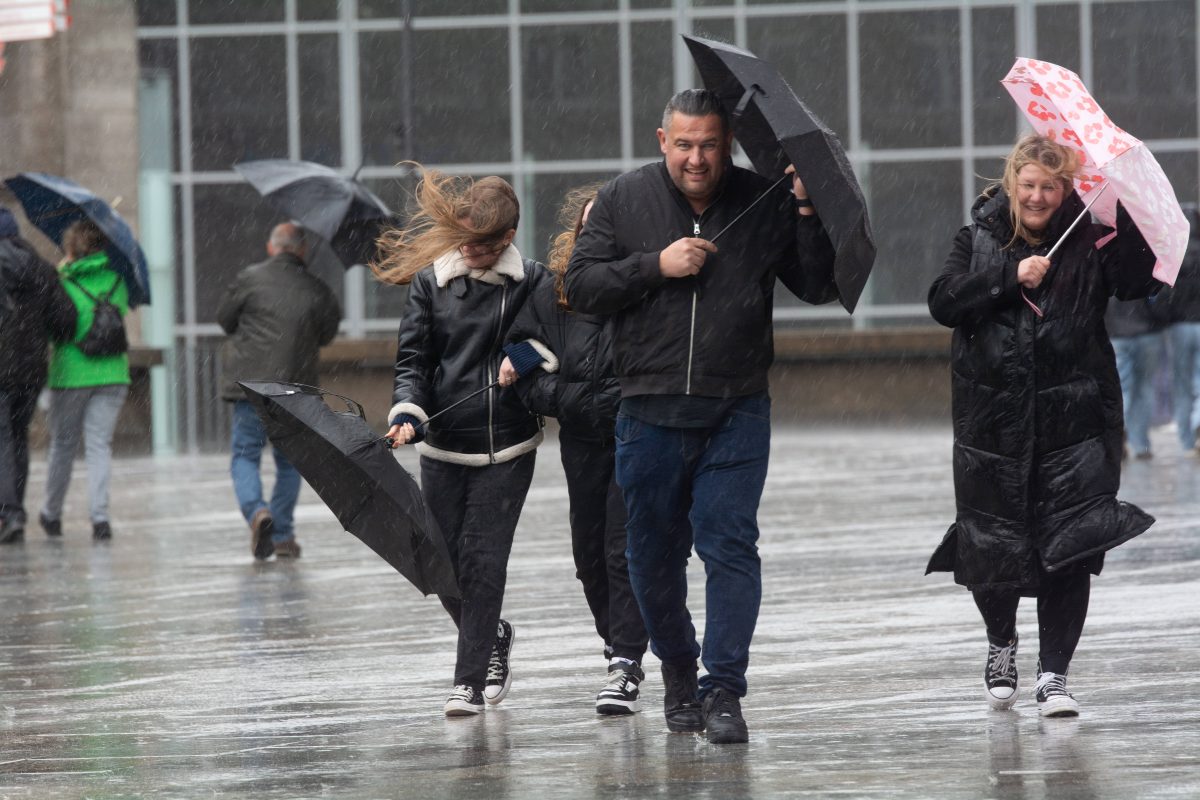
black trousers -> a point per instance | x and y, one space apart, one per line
477 509
1062 604
17 404
598 543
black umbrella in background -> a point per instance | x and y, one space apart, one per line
776 129
340 210
358 477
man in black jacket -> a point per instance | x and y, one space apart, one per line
692 341
278 316
34 308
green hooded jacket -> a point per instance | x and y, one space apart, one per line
69 367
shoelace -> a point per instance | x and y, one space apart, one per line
1051 684
619 682
1000 661
496 666
726 705
462 693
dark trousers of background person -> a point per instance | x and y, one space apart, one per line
1062 604
17 404
701 486
598 544
477 509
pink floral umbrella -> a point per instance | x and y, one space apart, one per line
1059 106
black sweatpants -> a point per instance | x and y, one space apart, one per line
477 509
598 544
17 404
1062 603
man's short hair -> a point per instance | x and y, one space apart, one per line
695 103
288 237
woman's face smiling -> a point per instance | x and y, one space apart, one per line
1039 194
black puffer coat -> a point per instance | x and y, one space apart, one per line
34 309
583 394
450 341
1036 401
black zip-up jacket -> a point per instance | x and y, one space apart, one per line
1181 302
450 345
582 394
34 309
708 335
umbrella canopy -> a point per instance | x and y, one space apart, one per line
53 204
776 129
1058 106
358 477
340 210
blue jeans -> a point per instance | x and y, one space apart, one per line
1185 380
1137 362
248 440
700 486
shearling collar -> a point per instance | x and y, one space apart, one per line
450 266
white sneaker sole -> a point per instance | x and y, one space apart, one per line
1002 704
1059 707
493 695
617 707
459 708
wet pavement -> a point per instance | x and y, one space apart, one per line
169 664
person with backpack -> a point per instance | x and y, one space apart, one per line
34 309
89 378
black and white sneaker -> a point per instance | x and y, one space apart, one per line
620 693
1000 674
499 676
1053 699
464 701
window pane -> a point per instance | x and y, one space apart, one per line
1182 169
909 63
993 44
460 104
987 171
653 79
572 98
210 12
810 53
320 90
717 29
233 118
549 192
536 6
156 12
1058 35
911 255
1145 67
158 57
316 9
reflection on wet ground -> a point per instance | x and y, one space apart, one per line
169 664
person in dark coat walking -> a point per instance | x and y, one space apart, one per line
278 316
1182 309
1037 411
583 395
692 344
34 310
468 283
1136 330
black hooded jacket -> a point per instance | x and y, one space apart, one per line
1036 400
709 335
1182 301
34 310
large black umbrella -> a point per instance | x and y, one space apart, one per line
355 473
343 212
53 203
775 129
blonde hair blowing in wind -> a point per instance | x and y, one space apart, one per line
1062 163
451 212
570 217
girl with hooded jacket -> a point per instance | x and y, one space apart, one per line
1037 410
583 394
86 391
468 282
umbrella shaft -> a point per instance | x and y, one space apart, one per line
747 209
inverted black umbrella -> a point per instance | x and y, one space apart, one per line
775 129
53 203
343 212
358 477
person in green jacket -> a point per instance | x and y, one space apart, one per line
86 391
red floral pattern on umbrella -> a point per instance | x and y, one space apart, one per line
1059 106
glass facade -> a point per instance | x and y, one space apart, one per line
556 93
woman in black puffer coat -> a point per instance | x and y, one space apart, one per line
1037 410
576 385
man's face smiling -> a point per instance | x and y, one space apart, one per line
695 150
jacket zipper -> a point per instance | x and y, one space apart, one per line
491 392
695 300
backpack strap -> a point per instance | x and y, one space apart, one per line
106 297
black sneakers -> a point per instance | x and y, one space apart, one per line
620 693
12 530
723 722
101 531
681 698
464 701
52 527
1053 699
499 676
1000 674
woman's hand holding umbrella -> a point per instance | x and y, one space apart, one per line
1032 271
